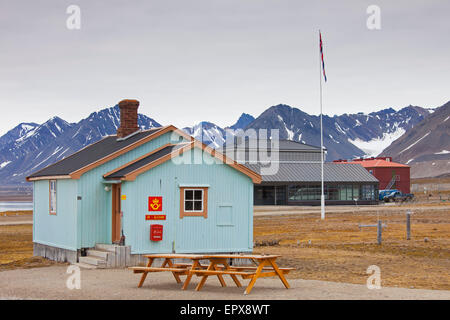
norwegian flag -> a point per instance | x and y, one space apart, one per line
321 54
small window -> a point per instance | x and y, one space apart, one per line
52 198
193 202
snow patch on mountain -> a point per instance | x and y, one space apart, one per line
4 164
289 132
28 133
374 146
415 142
338 128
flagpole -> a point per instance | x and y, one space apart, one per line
322 196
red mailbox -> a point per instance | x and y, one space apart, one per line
156 232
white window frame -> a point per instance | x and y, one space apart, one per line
193 200
52 197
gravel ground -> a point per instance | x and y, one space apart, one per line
50 283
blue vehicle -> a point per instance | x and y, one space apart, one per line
392 195
386 192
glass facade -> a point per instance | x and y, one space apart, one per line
284 194
270 195
368 192
342 192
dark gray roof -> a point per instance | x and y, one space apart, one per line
139 164
289 145
284 145
90 154
311 172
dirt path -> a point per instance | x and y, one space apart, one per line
10 218
15 222
50 283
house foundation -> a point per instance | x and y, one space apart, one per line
54 253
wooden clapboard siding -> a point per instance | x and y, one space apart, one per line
96 203
226 186
85 222
60 229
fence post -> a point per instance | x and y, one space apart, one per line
379 230
408 225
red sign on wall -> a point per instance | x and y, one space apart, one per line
155 217
154 203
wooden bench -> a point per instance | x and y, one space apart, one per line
266 267
218 266
177 269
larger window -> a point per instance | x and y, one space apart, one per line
194 202
52 197
368 192
340 192
269 195
305 192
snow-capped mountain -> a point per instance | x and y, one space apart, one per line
215 136
426 147
381 128
26 138
18 132
208 133
244 120
29 147
345 136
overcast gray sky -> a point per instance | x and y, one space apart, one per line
193 60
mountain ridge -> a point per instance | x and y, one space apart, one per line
54 140
30 146
426 147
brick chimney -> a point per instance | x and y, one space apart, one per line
128 117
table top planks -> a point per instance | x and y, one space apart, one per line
210 256
241 256
174 256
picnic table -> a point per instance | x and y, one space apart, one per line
265 266
168 264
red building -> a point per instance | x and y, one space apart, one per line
391 175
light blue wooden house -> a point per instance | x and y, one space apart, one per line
140 192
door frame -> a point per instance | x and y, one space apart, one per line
116 219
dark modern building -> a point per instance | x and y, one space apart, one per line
295 176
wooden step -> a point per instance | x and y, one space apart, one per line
106 247
102 254
95 261
85 265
